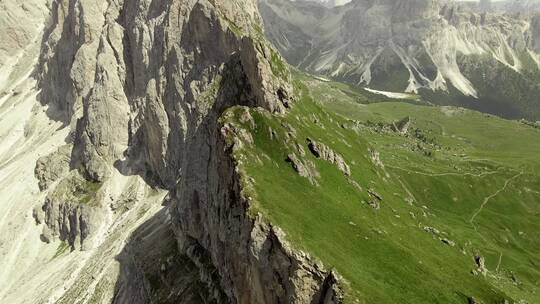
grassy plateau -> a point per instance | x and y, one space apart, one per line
422 200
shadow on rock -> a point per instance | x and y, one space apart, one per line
152 270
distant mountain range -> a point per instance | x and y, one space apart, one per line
480 5
448 52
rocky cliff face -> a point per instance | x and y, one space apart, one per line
140 86
134 74
410 46
136 89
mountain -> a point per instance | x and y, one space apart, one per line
520 6
117 184
439 49
163 151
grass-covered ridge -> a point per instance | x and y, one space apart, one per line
476 193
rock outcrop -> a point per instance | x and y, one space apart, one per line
70 212
480 262
142 85
304 169
322 151
52 167
402 126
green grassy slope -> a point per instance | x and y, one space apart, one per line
458 184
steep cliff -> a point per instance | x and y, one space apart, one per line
137 88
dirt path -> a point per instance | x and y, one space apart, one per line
488 198
444 174
484 204
486 201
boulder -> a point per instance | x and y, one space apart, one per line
303 168
324 152
480 264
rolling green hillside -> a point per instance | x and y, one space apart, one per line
438 205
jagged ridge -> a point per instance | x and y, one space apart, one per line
140 86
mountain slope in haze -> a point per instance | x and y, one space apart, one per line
488 62
517 6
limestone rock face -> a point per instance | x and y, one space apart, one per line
152 255
141 86
255 263
134 85
52 167
70 212
67 222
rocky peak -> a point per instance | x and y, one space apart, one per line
140 87
137 74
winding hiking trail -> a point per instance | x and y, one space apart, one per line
484 204
488 198
444 174
486 201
